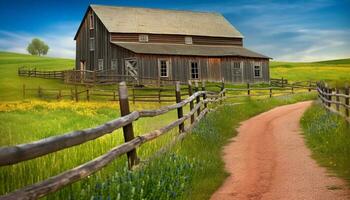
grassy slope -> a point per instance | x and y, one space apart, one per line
11 83
327 135
334 70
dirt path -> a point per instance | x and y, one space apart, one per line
269 160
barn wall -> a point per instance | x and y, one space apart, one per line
82 45
211 69
176 39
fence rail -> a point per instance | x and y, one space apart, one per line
14 154
23 71
335 99
160 94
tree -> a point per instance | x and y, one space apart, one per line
37 47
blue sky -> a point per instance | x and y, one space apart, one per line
284 30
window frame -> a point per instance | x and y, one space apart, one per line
91 21
257 67
198 70
188 40
99 64
167 64
116 64
143 38
92 44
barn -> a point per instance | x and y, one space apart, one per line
165 45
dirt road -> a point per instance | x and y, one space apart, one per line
269 160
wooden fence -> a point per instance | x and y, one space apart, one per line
33 72
197 99
76 93
161 94
335 99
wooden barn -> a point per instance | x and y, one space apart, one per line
165 45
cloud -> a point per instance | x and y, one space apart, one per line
60 39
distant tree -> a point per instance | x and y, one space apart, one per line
37 47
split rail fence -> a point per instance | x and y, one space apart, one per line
335 99
23 71
198 101
162 94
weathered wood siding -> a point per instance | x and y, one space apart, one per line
176 39
210 69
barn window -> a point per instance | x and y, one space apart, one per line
114 64
194 70
92 44
91 24
164 67
143 38
257 71
100 64
188 40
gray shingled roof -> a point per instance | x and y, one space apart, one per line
188 50
157 21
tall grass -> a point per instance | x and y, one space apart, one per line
328 136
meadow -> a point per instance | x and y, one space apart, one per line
335 72
190 170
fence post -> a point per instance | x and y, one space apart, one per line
59 96
282 82
39 92
309 86
179 110
133 94
270 92
87 94
198 97
347 92
292 89
204 95
24 91
159 91
248 89
190 92
128 130
76 93
337 99
114 96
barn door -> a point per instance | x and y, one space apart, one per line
131 68
237 71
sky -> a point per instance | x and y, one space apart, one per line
284 30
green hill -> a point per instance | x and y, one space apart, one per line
332 71
11 84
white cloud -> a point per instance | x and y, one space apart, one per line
60 39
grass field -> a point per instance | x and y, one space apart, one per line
327 135
11 83
334 71
184 169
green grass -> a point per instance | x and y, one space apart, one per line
327 135
335 71
11 84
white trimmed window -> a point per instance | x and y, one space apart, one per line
143 38
100 64
257 71
194 70
164 65
188 40
92 44
91 20
114 64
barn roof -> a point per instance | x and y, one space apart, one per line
158 21
189 50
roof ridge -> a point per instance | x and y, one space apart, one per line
161 9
